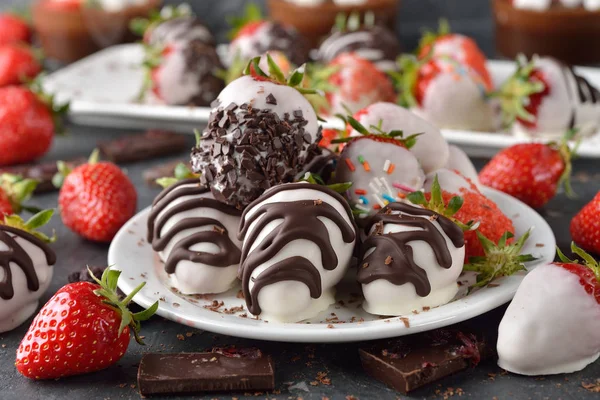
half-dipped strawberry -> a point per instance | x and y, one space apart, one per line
531 172
545 98
552 325
351 83
445 92
84 327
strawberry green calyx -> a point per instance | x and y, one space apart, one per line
405 79
139 26
568 154
589 261
375 130
64 170
108 290
252 13
500 259
430 37
32 224
436 203
515 92
182 172
58 111
276 76
315 179
18 190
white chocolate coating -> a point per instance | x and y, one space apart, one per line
385 298
194 277
15 311
562 108
290 301
431 148
552 326
450 181
460 161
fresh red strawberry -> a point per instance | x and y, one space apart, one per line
249 29
96 199
459 47
247 24
351 83
473 210
585 226
13 30
83 328
531 172
17 64
64 5
28 120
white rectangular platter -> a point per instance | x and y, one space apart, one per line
103 88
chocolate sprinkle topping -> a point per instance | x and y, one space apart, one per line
246 150
392 259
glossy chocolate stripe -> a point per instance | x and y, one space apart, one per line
297 269
16 254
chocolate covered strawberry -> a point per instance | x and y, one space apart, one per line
261 132
552 325
445 92
431 149
363 37
85 327
461 48
252 35
585 226
380 166
351 83
18 63
531 172
545 98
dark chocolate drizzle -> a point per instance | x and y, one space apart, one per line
229 253
392 258
291 269
17 255
301 220
585 91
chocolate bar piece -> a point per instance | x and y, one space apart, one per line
220 370
161 171
43 172
151 144
406 364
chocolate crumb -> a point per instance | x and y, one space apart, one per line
365 265
271 99
180 337
240 295
592 387
539 245
388 260
426 308
405 321
318 202
330 326
218 229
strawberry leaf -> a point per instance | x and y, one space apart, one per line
31 226
500 259
252 13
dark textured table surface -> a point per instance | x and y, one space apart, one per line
296 365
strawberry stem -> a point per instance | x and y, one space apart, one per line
108 290
316 179
181 172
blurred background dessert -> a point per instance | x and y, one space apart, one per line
565 29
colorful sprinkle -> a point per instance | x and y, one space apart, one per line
350 165
388 198
379 201
400 186
391 169
387 185
366 166
361 159
401 195
372 186
386 165
360 191
363 200
376 207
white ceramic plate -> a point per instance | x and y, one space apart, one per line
343 322
103 88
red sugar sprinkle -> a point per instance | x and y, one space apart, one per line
350 165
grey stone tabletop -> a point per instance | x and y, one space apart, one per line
296 365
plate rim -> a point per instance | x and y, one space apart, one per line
320 333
